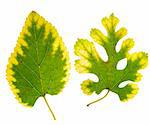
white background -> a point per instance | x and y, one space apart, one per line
74 19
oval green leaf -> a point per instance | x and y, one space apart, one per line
39 64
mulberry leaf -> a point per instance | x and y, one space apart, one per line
109 76
39 64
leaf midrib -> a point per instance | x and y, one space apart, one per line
36 48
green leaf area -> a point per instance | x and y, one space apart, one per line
109 76
39 64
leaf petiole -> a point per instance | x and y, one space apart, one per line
49 107
98 99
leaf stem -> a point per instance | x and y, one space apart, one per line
49 107
98 99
